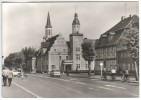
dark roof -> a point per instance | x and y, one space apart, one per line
48 25
118 30
50 42
75 21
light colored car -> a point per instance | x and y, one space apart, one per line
16 73
55 73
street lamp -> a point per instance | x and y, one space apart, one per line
41 66
59 61
101 65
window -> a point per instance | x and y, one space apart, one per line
59 57
78 66
55 50
77 57
64 50
77 49
67 57
48 32
86 65
53 66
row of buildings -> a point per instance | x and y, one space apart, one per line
57 53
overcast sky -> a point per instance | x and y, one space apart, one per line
23 24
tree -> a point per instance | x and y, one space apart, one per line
88 53
131 40
28 52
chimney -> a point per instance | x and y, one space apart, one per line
130 15
122 17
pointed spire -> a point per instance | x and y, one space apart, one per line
76 21
48 25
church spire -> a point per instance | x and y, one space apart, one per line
48 29
48 25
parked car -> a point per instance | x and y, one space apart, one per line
16 73
55 73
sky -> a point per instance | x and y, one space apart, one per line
23 24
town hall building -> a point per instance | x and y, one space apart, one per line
57 53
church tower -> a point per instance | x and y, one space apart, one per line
75 24
48 28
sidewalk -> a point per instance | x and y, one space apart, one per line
85 75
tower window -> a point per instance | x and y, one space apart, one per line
77 57
67 57
64 50
59 57
77 49
78 66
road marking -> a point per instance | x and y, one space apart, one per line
115 86
104 82
80 83
90 88
94 79
73 79
27 90
105 88
64 80
134 95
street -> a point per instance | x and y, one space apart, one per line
43 86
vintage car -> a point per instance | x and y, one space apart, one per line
55 73
16 73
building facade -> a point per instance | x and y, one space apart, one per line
109 50
57 53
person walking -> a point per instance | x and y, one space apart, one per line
123 76
5 73
104 74
113 74
127 75
10 76
22 75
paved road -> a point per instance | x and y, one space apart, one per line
42 86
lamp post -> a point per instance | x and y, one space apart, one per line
101 65
59 61
41 65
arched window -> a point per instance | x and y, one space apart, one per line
48 32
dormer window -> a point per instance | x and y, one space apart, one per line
104 35
111 35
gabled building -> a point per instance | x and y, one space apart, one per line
56 53
108 49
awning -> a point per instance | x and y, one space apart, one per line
67 62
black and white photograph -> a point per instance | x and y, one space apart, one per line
70 49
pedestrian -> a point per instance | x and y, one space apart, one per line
5 73
123 75
113 73
10 76
104 73
22 75
127 75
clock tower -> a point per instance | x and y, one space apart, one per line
76 39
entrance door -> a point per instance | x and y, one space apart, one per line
68 68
